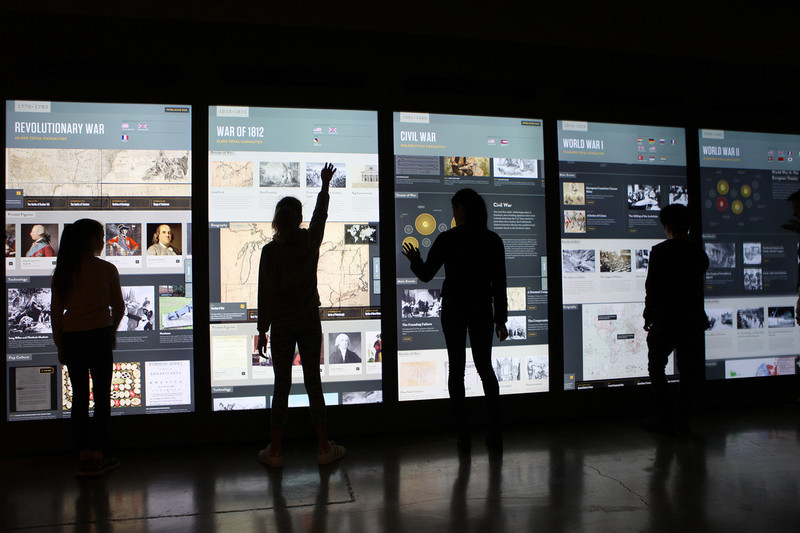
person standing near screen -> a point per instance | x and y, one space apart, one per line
793 224
674 319
474 302
288 301
87 307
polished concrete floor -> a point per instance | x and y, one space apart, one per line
738 471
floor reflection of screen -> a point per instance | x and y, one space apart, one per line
128 166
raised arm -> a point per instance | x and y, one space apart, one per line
317 226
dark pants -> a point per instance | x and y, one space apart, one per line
688 347
458 321
84 352
307 334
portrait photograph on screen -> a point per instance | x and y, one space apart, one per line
257 156
126 166
614 180
750 234
503 160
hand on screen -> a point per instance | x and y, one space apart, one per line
410 251
502 332
327 174
262 345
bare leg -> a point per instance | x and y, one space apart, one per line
276 441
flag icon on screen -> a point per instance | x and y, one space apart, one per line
780 158
662 141
663 158
651 141
316 140
503 141
770 152
491 141
142 126
125 137
332 130
769 158
125 125
652 158
641 158
673 141
640 148
639 140
318 129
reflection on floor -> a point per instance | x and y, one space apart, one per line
739 471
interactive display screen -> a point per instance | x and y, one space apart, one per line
613 181
129 166
258 156
752 280
503 160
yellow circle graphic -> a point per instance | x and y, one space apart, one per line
723 187
737 207
746 191
412 241
425 224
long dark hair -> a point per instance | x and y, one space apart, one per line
288 216
75 240
475 206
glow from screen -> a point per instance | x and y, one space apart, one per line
257 156
613 181
751 284
503 160
129 166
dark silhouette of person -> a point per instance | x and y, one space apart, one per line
288 302
474 302
793 224
675 319
87 307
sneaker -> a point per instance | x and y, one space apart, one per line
334 453
268 458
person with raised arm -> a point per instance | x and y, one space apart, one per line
288 308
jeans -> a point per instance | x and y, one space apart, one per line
457 321
689 362
84 352
306 332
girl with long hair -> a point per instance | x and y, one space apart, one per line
474 302
87 306
288 302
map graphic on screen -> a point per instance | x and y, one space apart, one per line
258 156
751 284
129 166
503 160
613 180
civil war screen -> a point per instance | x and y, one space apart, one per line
503 160
129 166
256 157
751 284
614 179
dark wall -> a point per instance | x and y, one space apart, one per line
202 61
